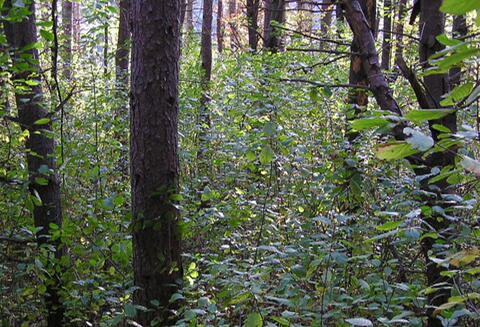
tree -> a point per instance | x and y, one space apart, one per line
274 15
189 13
67 16
252 23
123 47
40 152
220 28
387 34
154 157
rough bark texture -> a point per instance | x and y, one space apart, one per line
41 160
432 23
76 24
183 10
387 34
252 23
154 156
274 14
67 16
123 44
399 29
326 22
220 26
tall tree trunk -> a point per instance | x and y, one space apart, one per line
123 44
183 11
274 14
387 34
232 12
76 24
67 16
220 26
432 24
206 57
106 46
154 157
399 30
252 22
189 13
40 151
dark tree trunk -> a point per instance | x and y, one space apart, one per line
123 44
41 162
183 11
206 58
274 14
106 46
252 21
399 30
154 157
220 26
232 12
432 24
387 34
67 16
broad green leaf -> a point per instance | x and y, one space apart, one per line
459 7
47 35
41 181
457 94
130 310
441 128
42 121
254 320
389 226
454 59
445 40
418 140
266 155
281 320
359 322
250 155
427 114
394 150
474 94
368 123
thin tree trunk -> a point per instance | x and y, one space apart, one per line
67 16
232 12
154 158
105 49
459 30
387 35
123 44
220 26
183 6
206 57
274 14
252 22
399 30
41 162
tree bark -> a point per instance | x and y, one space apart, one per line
252 23
274 14
67 16
206 58
387 34
76 24
399 30
220 26
40 153
122 52
326 21
154 157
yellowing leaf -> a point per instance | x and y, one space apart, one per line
394 150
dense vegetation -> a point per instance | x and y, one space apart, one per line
300 205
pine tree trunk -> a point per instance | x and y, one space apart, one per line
154 158
40 152
189 13
123 47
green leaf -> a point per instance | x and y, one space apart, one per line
47 35
42 121
368 123
389 226
254 320
359 322
445 40
280 320
459 7
394 150
130 310
41 181
419 116
454 59
267 155
250 155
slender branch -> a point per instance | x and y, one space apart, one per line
355 86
